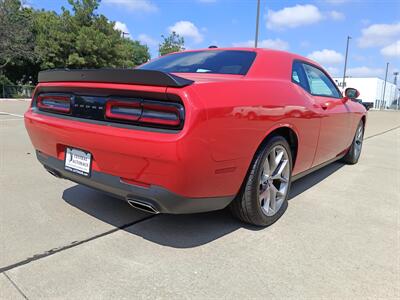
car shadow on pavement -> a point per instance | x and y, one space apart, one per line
303 184
177 231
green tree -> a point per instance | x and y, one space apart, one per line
35 40
54 38
133 53
16 38
171 43
84 39
84 11
4 80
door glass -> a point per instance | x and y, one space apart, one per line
320 84
298 76
295 77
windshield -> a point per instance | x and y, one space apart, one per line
217 62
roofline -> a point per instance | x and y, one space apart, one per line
252 49
257 50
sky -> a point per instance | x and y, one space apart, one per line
317 29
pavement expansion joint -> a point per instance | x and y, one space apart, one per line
69 246
380 133
15 285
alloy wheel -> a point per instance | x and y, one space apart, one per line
274 180
358 140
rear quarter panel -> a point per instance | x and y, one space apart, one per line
241 113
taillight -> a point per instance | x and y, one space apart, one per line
114 109
146 111
55 103
123 110
162 113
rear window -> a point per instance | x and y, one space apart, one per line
217 62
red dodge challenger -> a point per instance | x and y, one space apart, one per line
196 131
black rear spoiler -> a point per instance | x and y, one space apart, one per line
127 76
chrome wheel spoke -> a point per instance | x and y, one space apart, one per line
265 199
283 179
266 168
273 196
271 161
264 179
266 205
276 159
279 171
360 134
265 194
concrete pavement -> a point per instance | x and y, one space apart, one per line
339 237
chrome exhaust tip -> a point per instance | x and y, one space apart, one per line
142 206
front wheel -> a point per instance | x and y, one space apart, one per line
263 197
354 152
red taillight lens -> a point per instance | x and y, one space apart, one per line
146 111
61 104
123 110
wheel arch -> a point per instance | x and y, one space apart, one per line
289 133
364 119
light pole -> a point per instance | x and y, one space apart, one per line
345 63
395 84
395 77
398 99
384 85
257 23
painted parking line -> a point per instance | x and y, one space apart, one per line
10 114
14 99
3 120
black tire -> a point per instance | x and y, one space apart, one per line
247 206
354 152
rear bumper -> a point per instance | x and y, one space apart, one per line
160 199
180 162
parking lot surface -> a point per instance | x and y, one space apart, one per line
339 237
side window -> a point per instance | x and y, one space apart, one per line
320 84
295 77
298 75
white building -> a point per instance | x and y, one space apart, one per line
371 90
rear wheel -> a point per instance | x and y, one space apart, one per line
354 152
263 197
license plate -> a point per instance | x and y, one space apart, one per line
78 161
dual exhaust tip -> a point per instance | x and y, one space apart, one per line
143 206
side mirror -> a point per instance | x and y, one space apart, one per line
351 93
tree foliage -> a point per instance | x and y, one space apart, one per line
171 43
76 38
16 38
